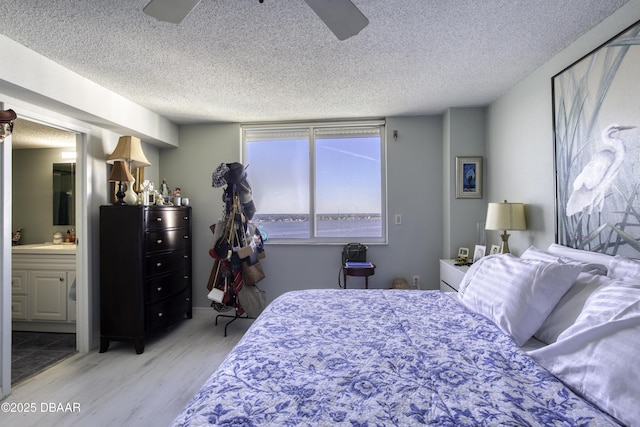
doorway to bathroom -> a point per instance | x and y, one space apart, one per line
43 294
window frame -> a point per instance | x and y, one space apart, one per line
311 127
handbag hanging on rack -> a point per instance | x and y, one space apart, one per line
253 300
252 273
223 246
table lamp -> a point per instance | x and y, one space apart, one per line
129 149
120 173
505 216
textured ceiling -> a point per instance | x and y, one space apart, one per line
27 134
243 61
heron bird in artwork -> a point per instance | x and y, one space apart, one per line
591 185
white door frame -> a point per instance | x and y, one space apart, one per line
83 190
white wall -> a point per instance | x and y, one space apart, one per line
520 136
414 171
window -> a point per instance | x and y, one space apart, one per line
318 183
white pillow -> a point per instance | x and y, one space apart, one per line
517 294
624 268
534 253
599 355
588 267
570 306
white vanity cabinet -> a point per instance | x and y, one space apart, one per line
41 282
19 294
48 295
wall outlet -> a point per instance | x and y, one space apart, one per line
398 219
416 282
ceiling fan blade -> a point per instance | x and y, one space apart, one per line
170 10
341 16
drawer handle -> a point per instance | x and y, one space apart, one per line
61 279
159 288
159 241
186 237
185 256
158 264
185 217
159 219
160 314
185 277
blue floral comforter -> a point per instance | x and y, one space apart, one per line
381 358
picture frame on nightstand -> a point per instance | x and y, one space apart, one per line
495 249
478 252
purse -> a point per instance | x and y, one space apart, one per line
253 300
222 247
216 295
252 273
246 249
354 252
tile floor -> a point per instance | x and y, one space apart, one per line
31 352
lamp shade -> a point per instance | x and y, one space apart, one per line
505 216
129 148
120 172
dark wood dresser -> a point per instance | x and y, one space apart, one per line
145 271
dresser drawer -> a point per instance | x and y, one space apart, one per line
167 311
165 262
162 218
158 315
164 286
181 304
167 239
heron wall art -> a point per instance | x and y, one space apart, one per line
596 103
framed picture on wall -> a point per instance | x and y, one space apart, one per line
468 177
597 160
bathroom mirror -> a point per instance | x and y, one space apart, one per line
64 184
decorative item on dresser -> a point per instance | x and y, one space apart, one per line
129 149
145 271
120 173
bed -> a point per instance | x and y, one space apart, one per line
494 354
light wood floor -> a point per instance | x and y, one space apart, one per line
120 388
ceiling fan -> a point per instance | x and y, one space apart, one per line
341 16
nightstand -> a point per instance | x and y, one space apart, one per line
451 275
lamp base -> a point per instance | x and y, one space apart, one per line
130 197
119 196
504 249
